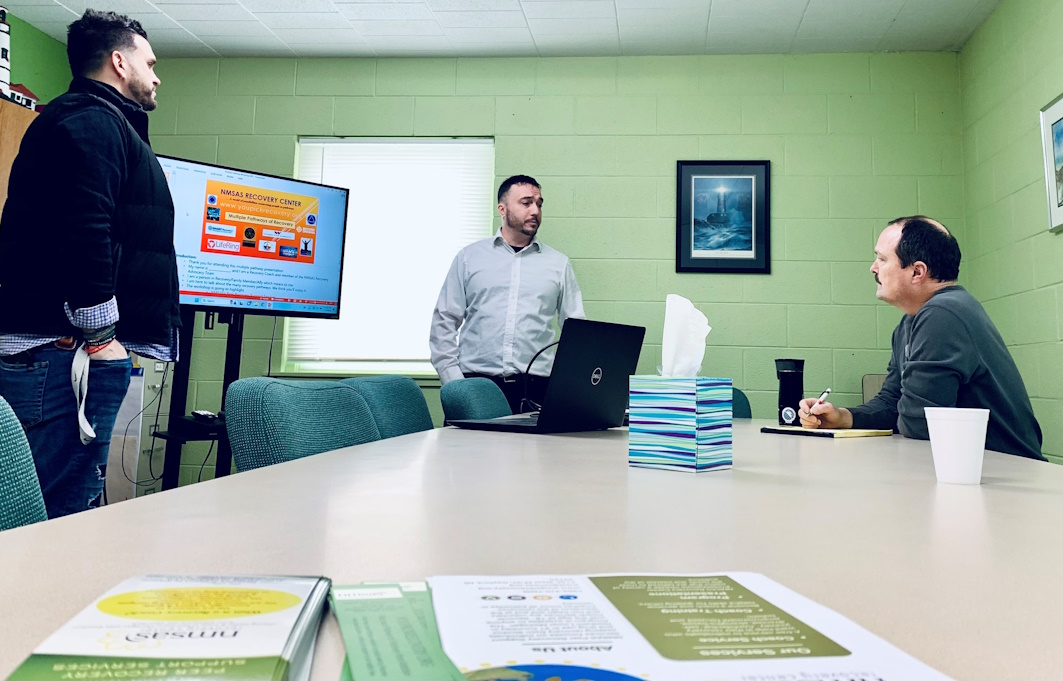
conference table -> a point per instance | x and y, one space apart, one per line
965 578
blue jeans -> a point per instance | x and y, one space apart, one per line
37 385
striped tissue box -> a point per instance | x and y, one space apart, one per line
680 424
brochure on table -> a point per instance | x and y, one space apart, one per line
739 626
169 626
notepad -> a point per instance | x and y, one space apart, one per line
826 432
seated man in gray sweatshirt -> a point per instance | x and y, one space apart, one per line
946 351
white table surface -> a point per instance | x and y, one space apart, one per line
967 578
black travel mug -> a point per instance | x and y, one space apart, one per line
791 373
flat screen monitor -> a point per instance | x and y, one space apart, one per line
255 243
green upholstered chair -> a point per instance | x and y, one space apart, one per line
396 402
473 398
21 502
270 420
740 408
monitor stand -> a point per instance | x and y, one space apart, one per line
183 428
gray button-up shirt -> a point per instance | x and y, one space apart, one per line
503 301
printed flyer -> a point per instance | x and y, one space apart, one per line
735 626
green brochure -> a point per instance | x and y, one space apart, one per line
385 633
695 617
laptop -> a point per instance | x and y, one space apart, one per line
588 387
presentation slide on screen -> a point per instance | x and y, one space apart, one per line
245 240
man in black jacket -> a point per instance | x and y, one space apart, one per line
87 264
946 350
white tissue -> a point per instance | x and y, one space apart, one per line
685 329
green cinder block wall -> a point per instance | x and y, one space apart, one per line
1009 70
854 140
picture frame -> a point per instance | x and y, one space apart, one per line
722 217
1052 138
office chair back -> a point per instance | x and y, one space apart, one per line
473 398
21 502
270 420
740 408
396 402
871 384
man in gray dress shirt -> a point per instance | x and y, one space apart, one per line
946 350
503 293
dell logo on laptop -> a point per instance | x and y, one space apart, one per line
596 376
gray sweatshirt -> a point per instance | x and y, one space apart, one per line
949 354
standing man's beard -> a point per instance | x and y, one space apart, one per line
142 95
521 227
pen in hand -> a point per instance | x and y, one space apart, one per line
822 397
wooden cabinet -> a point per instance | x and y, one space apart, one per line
14 120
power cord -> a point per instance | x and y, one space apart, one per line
199 478
524 399
152 479
272 337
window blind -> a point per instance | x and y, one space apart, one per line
414 203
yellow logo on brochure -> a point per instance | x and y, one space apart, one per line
197 603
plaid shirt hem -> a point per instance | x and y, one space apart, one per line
94 317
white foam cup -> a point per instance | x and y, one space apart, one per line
957 439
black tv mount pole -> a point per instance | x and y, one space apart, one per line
184 429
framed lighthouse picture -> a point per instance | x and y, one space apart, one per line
722 221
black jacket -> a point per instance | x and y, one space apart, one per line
88 216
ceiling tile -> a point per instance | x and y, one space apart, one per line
379 11
584 43
522 27
753 25
208 12
400 46
664 15
26 3
943 9
481 5
741 43
330 50
639 47
230 42
170 36
966 28
572 26
255 51
758 8
489 35
120 6
323 35
571 9
55 29
42 13
831 31
495 50
843 44
182 52
481 19
573 50
288 5
657 4
154 21
661 33
398 28
301 20
233 29
839 12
